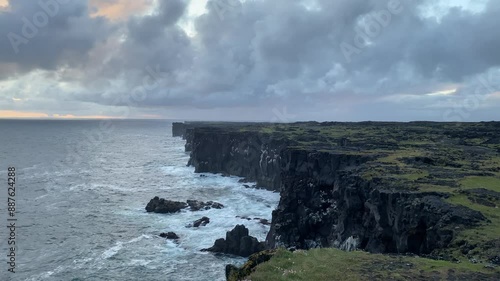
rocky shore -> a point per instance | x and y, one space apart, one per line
422 188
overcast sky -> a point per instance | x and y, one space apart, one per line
267 60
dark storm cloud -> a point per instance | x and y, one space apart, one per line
462 44
267 53
48 34
276 51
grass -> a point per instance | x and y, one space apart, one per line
491 183
334 264
482 235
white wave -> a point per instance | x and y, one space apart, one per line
119 246
47 274
112 251
136 262
177 170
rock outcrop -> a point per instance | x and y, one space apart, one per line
195 205
329 195
333 207
169 235
234 273
164 206
178 129
237 242
201 222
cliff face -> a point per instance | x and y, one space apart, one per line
185 131
188 136
178 129
324 203
250 155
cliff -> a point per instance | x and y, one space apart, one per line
325 203
381 187
251 155
178 129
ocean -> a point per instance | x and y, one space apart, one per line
81 190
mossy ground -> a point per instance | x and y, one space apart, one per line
460 160
449 158
333 264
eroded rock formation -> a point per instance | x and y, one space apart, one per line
238 242
333 207
164 206
201 222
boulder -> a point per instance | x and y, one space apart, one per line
238 243
161 205
169 235
196 205
201 222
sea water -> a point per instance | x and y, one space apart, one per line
81 192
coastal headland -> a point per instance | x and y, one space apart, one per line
369 200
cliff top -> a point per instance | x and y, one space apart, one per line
459 160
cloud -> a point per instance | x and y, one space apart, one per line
48 36
119 10
257 56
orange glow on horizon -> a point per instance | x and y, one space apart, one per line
4 3
152 116
12 114
71 116
21 114
119 10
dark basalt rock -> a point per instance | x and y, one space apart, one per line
483 196
327 199
195 205
234 273
344 142
169 235
333 207
265 222
163 206
246 154
244 218
178 129
238 243
201 222
495 260
262 221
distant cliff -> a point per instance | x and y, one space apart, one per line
327 199
178 129
251 155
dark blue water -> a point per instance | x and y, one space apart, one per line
81 191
